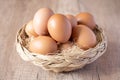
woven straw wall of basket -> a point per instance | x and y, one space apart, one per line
68 59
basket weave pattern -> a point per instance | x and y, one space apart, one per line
69 59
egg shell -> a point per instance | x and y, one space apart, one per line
40 20
29 29
72 20
59 28
84 37
86 19
66 45
43 45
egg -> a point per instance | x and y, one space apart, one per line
40 20
72 20
59 28
86 19
29 29
66 45
84 37
43 45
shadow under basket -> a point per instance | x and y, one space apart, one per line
66 60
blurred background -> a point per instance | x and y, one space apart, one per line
15 13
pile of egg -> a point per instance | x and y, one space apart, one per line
49 30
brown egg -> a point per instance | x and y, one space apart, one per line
84 37
66 45
86 19
43 45
59 28
72 20
29 29
40 20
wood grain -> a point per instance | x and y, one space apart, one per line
15 13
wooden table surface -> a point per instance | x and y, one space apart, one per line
15 13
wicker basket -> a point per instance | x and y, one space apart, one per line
68 59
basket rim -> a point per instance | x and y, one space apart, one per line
104 40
